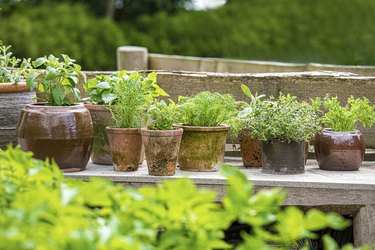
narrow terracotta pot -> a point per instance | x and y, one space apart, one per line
283 157
125 145
251 150
101 118
161 149
13 97
339 151
202 148
64 133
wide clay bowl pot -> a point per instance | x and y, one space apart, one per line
339 151
62 133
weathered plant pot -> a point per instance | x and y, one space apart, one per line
202 148
251 150
101 118
283 157
13 97
64 133
161 149
339 151
125 145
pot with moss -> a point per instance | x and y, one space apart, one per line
161 139
14 94
57 127
203 118
134 94
283 125
340 146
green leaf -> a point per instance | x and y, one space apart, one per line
315 220
52 74
108 98
58 95
40 61
30 80
246 90
103 85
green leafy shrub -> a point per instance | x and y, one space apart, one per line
42 210
206 109
162 115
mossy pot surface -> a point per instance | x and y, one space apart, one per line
339 151
161 149
251 150
202 148
64 133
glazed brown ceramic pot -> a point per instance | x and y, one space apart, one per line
202 148
125 145
161 148
101 118
340 151
251 150
13 98
63 133
283 157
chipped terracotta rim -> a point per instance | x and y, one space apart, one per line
8 87
162 133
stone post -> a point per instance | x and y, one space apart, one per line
132 58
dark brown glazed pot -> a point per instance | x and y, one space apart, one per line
251 150
101 118
202 148
283 157
63 133
339 151
126 146
161 149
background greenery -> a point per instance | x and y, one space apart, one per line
334 31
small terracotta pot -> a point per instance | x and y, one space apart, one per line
13 97
101 118
339 151
64 133
283 157
161 148
202 148
125 145
251 150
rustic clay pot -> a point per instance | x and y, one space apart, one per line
64 133
101 118
125 145
161 148
283 157
13 97
251 150
339 151
202 148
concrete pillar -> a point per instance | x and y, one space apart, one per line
364 226
132 58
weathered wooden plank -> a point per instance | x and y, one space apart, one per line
364 226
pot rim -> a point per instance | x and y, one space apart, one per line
162 133
96 107
44 105
8 87
222 127
330 131
123 130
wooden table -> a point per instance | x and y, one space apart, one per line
349 193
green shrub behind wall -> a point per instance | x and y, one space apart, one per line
63 28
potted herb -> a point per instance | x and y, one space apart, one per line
161 140
57 127
202 118
340 146
283 125
14 94
134 94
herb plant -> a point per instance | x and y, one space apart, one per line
57 81
162 115
9 71
344 118
101 88
284 119
206 109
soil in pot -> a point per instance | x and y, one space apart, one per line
126 146
283 157
64 133
339 151
161 149
251 150
202 148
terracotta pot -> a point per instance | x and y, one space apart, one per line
101 118
202 148
125 145
13 97
64 133
251 150
283 157
340 151
161 148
